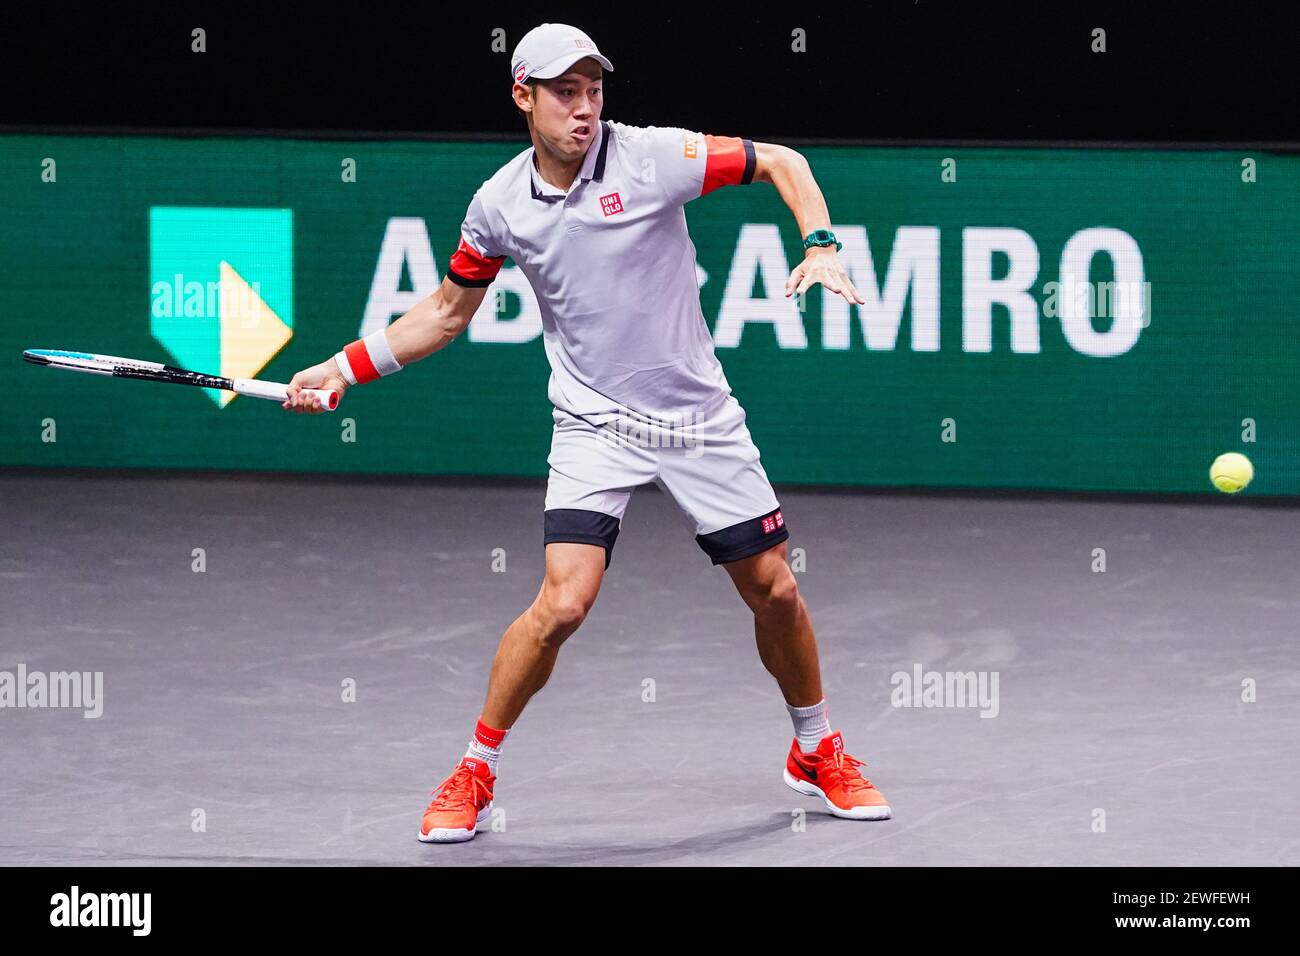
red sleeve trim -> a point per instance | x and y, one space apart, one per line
467 267
730 162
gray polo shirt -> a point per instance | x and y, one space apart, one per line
612 266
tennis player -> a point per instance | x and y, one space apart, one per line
593 214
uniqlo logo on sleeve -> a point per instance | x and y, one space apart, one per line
611 204
772 522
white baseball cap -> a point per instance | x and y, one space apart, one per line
549 50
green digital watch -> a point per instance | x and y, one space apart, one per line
822 237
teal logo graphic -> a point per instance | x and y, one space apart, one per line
221 287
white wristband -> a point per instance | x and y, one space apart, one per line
345 367
381 353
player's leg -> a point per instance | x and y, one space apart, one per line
592 475
529 647
783 627
591 480
525 657
723 488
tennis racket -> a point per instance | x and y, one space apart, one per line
155 372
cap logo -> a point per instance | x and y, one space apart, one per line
521 70
584 43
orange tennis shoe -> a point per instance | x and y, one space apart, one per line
460 804
833 775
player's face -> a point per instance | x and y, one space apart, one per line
566 110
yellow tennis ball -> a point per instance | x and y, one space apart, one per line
1231 472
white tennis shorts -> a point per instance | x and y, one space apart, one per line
710 466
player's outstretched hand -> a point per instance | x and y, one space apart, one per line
822 265
324 375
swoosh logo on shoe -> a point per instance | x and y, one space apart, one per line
812 774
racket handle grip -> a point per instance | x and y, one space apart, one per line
276 392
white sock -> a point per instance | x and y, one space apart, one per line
811 725
486 745
489 755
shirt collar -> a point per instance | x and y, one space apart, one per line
593 168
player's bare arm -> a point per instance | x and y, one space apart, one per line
434 322
789 172
426 328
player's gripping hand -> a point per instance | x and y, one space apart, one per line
822 264
324 375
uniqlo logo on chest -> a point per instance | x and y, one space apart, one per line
611 204
772 522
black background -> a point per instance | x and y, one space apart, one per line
907 909
909 70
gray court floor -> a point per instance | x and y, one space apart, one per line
1118 733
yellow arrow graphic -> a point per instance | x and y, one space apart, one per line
251 333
